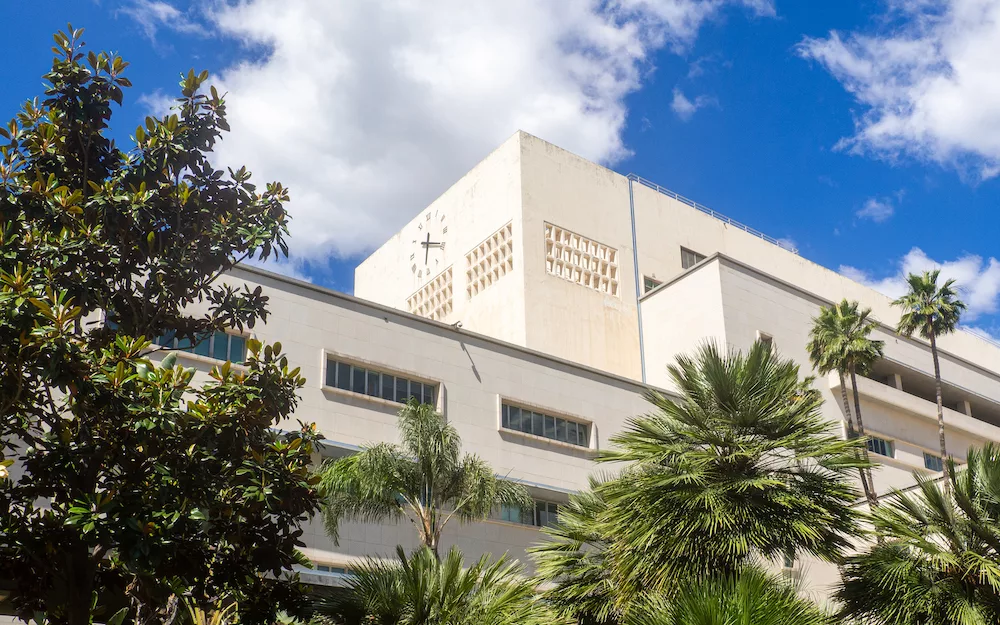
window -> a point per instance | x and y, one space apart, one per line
690 259
543 514
881 447
648 284
364 381
220 346
766 339
546 513
531 422
932 462
788 561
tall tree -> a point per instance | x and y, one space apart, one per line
422 590
939 557
426 480
131 485
931 311
741 466
840 340
750 597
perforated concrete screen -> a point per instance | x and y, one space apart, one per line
578 259
434 299
489 261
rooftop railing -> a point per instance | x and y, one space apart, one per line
708 211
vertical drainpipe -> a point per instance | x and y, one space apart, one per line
638 286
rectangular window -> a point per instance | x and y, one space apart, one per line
546 513
546 426
766 339
881 447
648 284
374 383
689 258
220 346
515 514
932 462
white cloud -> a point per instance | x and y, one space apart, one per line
978 280
685 108
876 209
929 86
152 15
368 110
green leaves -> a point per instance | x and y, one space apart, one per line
140 482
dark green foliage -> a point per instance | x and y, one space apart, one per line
742 466
132 486
421 590
939 559
426 479
750 597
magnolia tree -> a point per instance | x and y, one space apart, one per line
132 490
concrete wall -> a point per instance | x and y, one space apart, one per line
562 317
481 202
473 373
679 316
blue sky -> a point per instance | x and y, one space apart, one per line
867 132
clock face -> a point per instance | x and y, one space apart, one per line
427 249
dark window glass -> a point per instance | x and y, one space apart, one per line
689 258
388 387
237 349
880 446
358 380
571 433
536 424
184 344
402 390
583 435
220 346
166 340
428 397
550 427
515 418
932 462
203 346
373 389
416 392
343 376
561 430
505 416
650 283
331 373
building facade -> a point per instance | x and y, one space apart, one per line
546 284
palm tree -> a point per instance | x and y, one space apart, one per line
939 560
931 311
421 590
840 341
750 597
425 480
741 466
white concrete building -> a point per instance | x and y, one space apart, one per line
547 283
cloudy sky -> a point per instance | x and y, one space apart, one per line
867 132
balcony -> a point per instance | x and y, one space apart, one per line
922 407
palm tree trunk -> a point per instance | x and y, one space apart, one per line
940 414
865 484
872 493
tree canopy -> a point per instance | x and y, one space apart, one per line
130 485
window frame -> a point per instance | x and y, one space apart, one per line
336 363
649 283
211 340
874 442
550 421
698 258
936 460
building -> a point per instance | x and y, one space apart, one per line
544 282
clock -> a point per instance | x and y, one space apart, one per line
427 254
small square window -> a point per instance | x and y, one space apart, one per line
648 284
932 462
690 258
